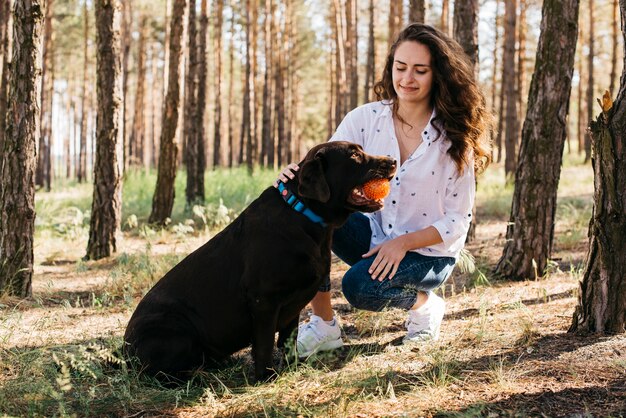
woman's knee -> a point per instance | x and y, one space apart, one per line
354 287
361 291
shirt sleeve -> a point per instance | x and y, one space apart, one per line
351 128
458 204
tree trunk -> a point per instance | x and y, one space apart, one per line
499 136
201 104
163 199
511 133
244 140
126 41
293 137
17 171
341 74
371 56
531 226
589 83
82 154
68 139
417 11
231 92
279 97
251 139
445 16
154 99
602 297
217 36
137 134
496 137
614 44
4 80
521 60
352 53
190 150
47 83
580 118
465 28
267 140
396 16
331 123
106 206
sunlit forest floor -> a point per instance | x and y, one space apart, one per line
504 350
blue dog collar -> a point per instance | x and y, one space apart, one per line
297 205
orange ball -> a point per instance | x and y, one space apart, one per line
376 189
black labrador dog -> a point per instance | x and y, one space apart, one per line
252 279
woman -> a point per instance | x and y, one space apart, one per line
431 118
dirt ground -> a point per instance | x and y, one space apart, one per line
507 342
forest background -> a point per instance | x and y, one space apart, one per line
260 82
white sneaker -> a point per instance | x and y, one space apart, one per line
423 323
316 335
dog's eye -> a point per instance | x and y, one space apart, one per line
356 156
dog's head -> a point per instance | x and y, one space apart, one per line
332 175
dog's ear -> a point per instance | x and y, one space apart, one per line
313 183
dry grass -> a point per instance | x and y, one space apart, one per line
504 349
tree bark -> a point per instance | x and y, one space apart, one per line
352 53
252 136
341 75
602 297
496 137
155 100
267 140
70 123
126 41
190 150
445 16
217 36
371 56
81 173
231 93
201 104
614 44
590 82
396 16
136 140
531 226
42 174
163 199
279 98
417 11
521 60
511 133
17 170
244 140
106 206
581 124
4 80
465 28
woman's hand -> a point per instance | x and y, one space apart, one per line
390 254
287 174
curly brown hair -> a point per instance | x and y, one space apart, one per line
455 95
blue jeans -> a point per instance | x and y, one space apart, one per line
416 271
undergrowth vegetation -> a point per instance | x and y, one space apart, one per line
498 336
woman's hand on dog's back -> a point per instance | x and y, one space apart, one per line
287 173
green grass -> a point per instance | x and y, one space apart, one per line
66 209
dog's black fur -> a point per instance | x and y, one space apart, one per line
252 279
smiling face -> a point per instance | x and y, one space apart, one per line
412 72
